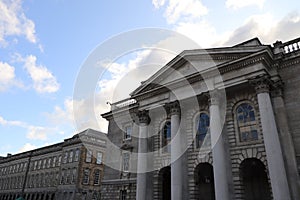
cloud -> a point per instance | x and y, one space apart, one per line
7 77
37 133
43 79
158 3
236 4
27 147
33 132
13 22
178 10
266 28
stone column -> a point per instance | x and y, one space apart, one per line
141 191
218 148
286 140
275 161
176 151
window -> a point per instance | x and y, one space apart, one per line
73 175
123 194
127 134
76 155
54 162
97 177
59 161
246 122
126 158
88 157
99 158
44 163
62 178
71 156
202 126
86 175
166 137
65 157
40 164
49 163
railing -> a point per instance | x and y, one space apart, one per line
291 46
123 103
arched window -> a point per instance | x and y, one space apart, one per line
166 137
202 126
246 122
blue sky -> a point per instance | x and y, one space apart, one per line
43 45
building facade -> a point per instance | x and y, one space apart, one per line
72 169
220 123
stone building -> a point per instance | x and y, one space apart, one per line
219 123
69 170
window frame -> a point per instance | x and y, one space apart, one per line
127 136
165 149
195 131
254 124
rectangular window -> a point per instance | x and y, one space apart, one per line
123 194
40 164
97 177
88 157
49 163
59 161
65 157
86 175
54 162
73 175
71 157
99 158
127 134
126 158
35 165
76 155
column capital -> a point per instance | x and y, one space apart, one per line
213 97
143 116
261 83
174 108
277 90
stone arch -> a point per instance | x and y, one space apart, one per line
203 158
164 183
254 180
204 181
251 153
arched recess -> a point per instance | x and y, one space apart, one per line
254 180
165 183
204 181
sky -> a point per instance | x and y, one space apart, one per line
44 45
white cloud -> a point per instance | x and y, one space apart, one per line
236 4
13 21
37 133
158 3
178 10
27 147
33 132
43 79
7 77
266 28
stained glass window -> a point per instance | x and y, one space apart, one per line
246 121
166 137
202 124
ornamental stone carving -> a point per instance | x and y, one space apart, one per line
143 116
261 84
213 97
174 108
277 90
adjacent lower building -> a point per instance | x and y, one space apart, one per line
70 170
219 123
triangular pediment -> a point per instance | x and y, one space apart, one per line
190 62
